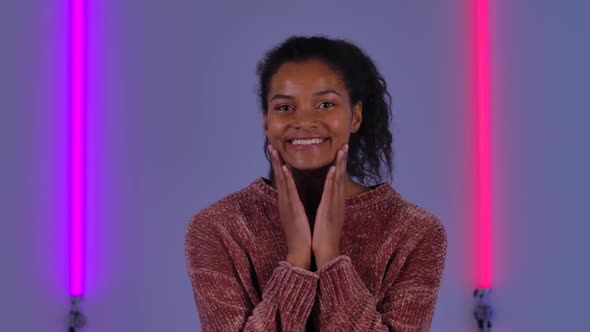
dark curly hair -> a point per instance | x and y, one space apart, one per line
370 154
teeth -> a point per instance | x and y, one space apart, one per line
307 141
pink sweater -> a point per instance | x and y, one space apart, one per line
386 279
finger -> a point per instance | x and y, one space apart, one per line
337 178
276 168
273 161
291 188
344 159
339 188
342 165
280 165
289 181
328 186
337 168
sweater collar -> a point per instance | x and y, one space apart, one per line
378 193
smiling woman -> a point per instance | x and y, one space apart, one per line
322 243
309 116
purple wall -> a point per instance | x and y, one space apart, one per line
174 126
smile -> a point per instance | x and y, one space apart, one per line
307 141
299 144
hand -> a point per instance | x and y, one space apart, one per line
330 214
292 213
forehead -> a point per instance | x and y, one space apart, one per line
305 76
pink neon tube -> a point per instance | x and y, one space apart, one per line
483 151
77 88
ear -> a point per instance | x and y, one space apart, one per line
357 117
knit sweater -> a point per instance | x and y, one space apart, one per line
386 278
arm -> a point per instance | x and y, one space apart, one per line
222 300
408 305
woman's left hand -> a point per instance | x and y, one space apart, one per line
330 214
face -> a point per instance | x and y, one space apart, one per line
309 116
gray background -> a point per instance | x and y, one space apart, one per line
174 126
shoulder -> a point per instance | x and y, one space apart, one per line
419 223
221 212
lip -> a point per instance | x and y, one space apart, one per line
306 146
309 137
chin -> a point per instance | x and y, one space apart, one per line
310 167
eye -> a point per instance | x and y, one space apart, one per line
283 108
326 104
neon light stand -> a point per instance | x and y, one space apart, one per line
77 160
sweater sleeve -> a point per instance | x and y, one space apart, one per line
408 305
222 301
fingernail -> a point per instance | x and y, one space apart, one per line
346 147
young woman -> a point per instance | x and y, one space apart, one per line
323 243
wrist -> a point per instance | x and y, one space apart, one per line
299 261
325 257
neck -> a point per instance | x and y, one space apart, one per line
310 186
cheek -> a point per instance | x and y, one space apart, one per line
275 129
340 127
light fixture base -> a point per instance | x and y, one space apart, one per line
483 312
76 319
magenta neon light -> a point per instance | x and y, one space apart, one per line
483 151
77 160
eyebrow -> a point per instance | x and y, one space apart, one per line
319 93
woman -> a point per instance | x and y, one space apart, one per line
310 248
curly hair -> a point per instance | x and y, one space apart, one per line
370 154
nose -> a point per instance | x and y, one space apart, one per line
306 118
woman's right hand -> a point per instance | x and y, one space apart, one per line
292 213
